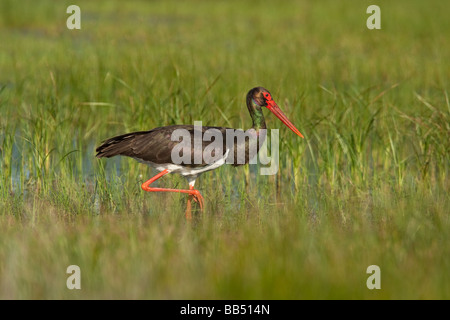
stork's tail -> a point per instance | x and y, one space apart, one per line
119 145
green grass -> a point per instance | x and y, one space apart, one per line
368 185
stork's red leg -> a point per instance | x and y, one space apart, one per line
193 194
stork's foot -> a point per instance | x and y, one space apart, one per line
197 197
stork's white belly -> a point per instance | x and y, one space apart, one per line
184 170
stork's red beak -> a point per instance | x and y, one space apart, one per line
272 106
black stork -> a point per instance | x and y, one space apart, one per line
155 147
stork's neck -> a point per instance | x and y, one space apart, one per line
256 114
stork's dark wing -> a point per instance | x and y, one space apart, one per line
157 145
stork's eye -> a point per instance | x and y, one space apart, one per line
267 96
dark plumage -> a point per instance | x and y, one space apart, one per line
156 145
